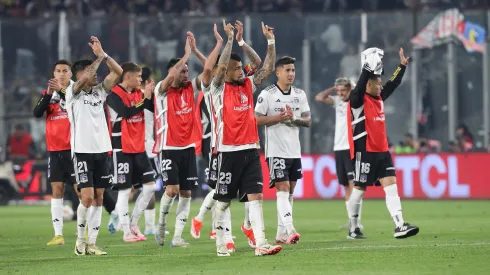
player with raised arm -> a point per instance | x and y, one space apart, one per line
239 167
369 143
90 141
343 162
283 108
176 137
131 164
60 166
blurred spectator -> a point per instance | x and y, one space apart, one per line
407 146
454 147
428 146
20 144
464 138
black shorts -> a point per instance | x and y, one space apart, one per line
60 167
155 166
92 170
212 171
371 166
239 173
131 170
178 167
282 169
206 149
344 166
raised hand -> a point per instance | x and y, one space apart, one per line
96 46
216 34
54 85
188 43
192 40
403 60
239 29
228 29
149 89
268 31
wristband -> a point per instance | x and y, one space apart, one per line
106 55
241 43
271 42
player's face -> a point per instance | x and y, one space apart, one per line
62 72
286 74
374 87
183 75
133 79
343 92
235 72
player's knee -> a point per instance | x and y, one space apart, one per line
292 185
87 200
362 188
282 186
185 193
255 197
387 181
172 190
151 204
58 190
150 187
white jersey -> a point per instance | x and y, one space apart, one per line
149 133
341 135
88 124
209 104
281 140
217 94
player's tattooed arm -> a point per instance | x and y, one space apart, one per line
207 73
89 73
303 121
251 54
224 59
264 120
324 96
270 58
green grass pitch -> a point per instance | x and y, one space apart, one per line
454 239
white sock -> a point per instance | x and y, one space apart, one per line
82 221
122 206
219 222
89 215
142 202
227 224
165 205
57 216
347 208
95 219
150 218
281 229
206 205
183 209
360 211
246 221
353 206
213 217
257 220
291 200
284 210
394 204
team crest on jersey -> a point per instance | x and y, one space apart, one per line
121 178
213 175
243 98
296 100
279 174
260 99
183 103
164 176
223 189
363 178
95 93
83 178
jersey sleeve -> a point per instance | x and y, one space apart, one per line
394 82
357 94
336 100
103 92
254 88
215 90
304 107
262 103
42 105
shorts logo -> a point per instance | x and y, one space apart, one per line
213 176
223 189
279 174
83 178
363 178
121 178
164 176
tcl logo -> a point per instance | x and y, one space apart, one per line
434 176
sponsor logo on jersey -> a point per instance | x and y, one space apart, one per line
243 98
94 104
183 103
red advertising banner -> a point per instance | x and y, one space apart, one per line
432 176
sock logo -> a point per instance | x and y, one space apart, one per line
219 228
165 213
183 220
56 220
355 216
81 225
125 214
96 228
227 230
287 215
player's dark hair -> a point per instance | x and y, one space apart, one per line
285 60
145 74
62 62
236 57
129 67
374 76
172 62
80 65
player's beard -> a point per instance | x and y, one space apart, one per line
238 82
